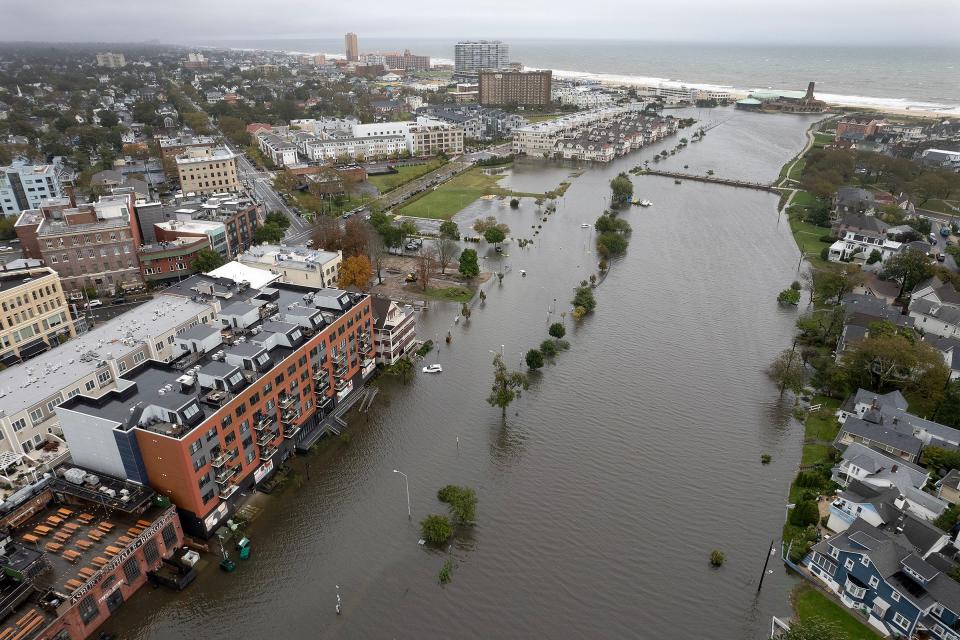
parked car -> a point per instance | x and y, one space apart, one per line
94 303
5 248
119 300
411 277
941 257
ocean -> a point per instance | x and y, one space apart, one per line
892 77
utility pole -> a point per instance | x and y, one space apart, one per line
765 563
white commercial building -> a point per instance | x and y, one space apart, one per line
541 138
296 265
89 364
471 57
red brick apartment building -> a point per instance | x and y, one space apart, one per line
269 376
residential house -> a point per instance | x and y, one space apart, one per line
875 505
897 576
853 200
948 488
394 329
935 307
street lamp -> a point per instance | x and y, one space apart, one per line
406 482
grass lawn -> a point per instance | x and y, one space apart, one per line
804 199
821 139
404 174
823 424
814 453
943 206
810 603
808 237
542 117
450 294
455 194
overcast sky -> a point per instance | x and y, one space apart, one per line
768 21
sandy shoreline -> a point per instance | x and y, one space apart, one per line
891 106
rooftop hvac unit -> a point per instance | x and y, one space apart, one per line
91 479
74 475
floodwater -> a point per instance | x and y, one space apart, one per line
630 458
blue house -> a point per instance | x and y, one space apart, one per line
898 576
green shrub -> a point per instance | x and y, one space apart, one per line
717 558
805 513
436 529
462 502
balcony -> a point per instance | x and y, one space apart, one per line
324 401
220 460
286 402
289 433
843 511
225 474
266 437
267 452
342 383
290 416
227 491
263 422
322 376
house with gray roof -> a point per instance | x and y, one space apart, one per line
871 431
878 469
898 575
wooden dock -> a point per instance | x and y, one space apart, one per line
712 179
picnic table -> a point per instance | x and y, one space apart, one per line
30 538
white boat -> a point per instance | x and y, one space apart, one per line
585 226
433 368
646 203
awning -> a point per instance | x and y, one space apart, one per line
880 606
33 348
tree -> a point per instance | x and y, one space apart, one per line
197 121
789 296
534 359
622 188
269 233
7 231
805 513
356 271
611 245
403 369
875 257
327 234
278 218
207 260
514 203
462 502
108 118
436 529
407 229
447 249
494 235
481 225
507 385
356 238
426 261
813 629
557 330
831 285
449 229
548 348
584 298
469 267
787 371
378 254
885 362
908 268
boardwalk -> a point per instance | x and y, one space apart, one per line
714 179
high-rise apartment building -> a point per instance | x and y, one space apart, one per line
24 186
515 88
471 57
351 48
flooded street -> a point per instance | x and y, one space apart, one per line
632 455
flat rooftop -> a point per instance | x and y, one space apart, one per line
13 279
157 383
32 382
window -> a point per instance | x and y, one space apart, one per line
53 403
122 366
19 424
90 384
208 496
199 463
36 416
873 582
937 610
249 456
191 410
169 535
230 437
865 561
103 377
226 422
848 565
211 434
131 569
901 621
88 609
151 553
195 446
255 398
139 357
204 479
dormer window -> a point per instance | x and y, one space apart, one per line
235 379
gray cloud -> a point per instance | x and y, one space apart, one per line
837 22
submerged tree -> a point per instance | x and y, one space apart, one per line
507 385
